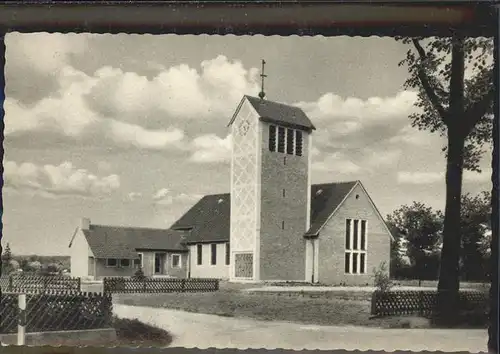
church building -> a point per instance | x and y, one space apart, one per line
273 225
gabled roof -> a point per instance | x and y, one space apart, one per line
209 219
278 113
325 199
124 242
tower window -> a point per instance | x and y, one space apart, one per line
282 225
298 143
289 141
272 138
281 139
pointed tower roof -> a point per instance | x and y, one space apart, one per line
278 113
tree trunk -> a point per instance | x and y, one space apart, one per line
448 285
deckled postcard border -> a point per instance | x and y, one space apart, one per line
303 18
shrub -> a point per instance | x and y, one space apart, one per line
382 279
139 275
134 332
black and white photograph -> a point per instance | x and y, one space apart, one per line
247 191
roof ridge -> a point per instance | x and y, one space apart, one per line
135 227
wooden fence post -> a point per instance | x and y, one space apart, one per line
21 326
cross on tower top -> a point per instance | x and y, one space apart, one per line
262 94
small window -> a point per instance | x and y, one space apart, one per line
347 262
284 160
289 141
176 261
363 235
355 263
228 254
111 262
298 143
355 245
283 192
213 249
282 225
199 254
348 234
138 261
281 139
125 263
272 138
362 265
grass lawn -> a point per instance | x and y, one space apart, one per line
331 311
320 311
131 332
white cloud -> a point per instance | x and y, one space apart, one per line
337 163
63 179
483 177
211 148
405 177
176 93
68 114
43 52
132 196
435 177
355 123
165 197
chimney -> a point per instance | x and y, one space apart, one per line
85 223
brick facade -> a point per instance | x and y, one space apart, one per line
284 186
331 267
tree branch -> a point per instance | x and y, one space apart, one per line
426 85
478 109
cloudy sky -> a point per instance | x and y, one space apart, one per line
131 129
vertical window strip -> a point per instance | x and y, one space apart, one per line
199 254
347 262
363 235
281 139
362 263
290 137
272 138
298 143
348 234
228 254
355 245
213 247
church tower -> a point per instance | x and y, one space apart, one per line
270 190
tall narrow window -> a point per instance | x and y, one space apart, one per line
289 141
283 192
199 254
281 139
355 246
228 254
282 225
272 138
355 235
298 143
355 263
363 235
362 263
347 264
348 234
213 249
